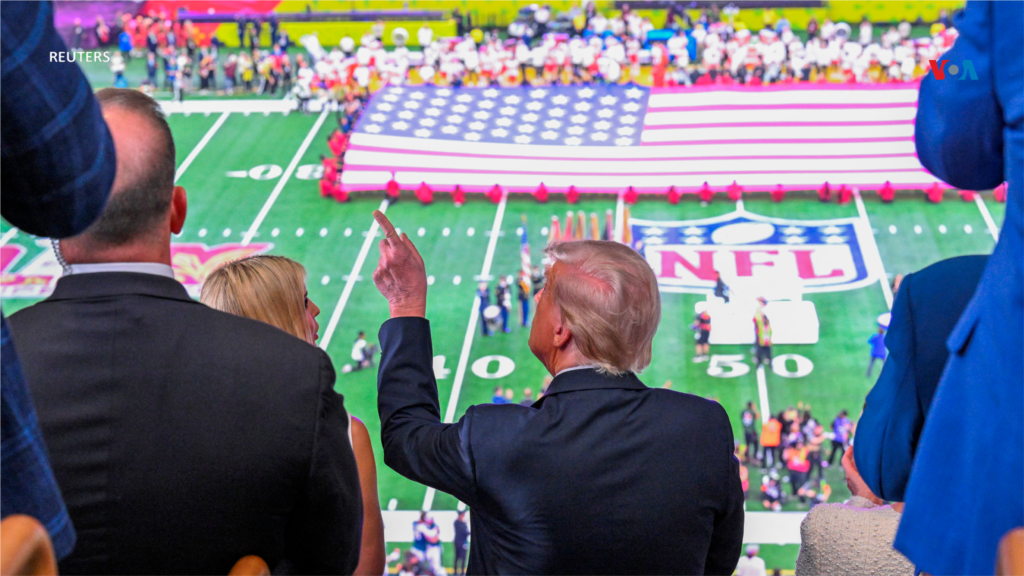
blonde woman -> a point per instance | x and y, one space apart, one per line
272 289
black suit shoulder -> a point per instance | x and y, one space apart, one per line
148 392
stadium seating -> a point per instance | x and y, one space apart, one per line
25 547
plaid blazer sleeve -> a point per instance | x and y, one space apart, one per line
57 154
58 162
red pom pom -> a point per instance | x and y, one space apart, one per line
845 194
735 191
325 187
541 193
825 193
340 195
392 188
886 193
706 193
573 195
631 196
458 196
778 194
673 196
934 193
495 194
999 194
425 194
967 195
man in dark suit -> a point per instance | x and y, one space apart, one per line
183 438
927 307
603 475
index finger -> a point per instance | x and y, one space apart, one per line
385 225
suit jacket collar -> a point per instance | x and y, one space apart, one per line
590 379
76 286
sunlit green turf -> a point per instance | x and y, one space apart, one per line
327 238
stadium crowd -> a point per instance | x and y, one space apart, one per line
587 46
150 433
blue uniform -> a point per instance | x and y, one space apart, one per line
966 489
877 342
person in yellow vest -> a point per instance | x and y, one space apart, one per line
762 335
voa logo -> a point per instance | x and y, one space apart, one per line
939 69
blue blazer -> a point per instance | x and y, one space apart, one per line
58 163
602 475
966 487
927 307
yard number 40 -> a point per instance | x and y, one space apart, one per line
733 366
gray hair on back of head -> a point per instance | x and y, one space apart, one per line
608 297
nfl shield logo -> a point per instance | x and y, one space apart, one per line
816 255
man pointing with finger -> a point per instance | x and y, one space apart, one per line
603 475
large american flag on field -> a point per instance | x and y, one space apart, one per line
606 138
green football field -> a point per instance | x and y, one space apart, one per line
252 186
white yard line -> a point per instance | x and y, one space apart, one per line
284 179
7 236
873 259
351 282
987 216
762 393
199 147
471 329
739 205
620 206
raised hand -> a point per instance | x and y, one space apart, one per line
400 275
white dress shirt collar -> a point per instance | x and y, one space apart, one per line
139 267
560 372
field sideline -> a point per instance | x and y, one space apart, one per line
252 183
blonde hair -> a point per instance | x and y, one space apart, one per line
267 288
608 297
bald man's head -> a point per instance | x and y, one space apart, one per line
141 197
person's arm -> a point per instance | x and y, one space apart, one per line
959 127
57 157
372 560
727 536
884 450
416 443
325 533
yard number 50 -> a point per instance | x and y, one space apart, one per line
733 366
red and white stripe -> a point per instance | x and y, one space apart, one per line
797 137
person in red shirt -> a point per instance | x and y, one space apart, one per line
799 464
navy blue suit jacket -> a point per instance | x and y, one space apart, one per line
966 489
602 475
927 307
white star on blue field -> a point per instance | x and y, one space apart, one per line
596 115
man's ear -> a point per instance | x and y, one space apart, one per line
562 335
179 207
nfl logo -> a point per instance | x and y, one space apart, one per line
757 257
749 249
